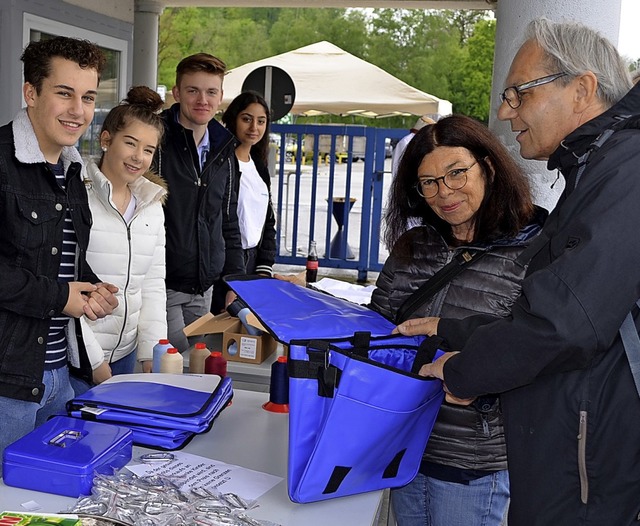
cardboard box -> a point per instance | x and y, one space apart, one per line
237 345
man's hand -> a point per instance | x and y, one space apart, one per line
102 301
296 279
229 298
146 366
417 326
436 370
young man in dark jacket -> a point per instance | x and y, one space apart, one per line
198 162
571 408
45 221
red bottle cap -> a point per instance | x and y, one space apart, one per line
201 345
163 342
216 354
282 359
172 350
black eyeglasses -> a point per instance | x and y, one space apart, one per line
513 96
455 179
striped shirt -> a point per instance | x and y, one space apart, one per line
56 355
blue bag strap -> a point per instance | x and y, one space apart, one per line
631 344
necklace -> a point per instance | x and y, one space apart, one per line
122 207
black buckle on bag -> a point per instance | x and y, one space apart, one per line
328 381
317 368
327 375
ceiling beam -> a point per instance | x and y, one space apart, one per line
395 4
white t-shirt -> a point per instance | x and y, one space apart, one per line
253 200
131 209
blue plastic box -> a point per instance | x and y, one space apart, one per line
63 455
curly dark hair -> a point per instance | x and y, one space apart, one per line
37 57
142 104
260 150
507 206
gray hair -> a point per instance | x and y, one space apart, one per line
575 49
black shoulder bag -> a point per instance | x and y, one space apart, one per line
436 282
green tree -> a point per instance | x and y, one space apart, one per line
472 88
296 28
231 37
446 53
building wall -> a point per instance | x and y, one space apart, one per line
119 9
84 20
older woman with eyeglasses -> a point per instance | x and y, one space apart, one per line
459 183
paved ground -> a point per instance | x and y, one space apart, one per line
302 184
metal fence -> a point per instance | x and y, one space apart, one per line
332 183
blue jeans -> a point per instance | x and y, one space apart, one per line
125 365
431 502
19 417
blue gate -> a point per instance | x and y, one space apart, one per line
332 183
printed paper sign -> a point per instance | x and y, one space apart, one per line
193 471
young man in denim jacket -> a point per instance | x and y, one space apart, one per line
45 219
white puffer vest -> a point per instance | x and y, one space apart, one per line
132 257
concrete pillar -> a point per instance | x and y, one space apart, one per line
512 16
145 42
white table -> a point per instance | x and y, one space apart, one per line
245 435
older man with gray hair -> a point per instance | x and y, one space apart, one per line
570 403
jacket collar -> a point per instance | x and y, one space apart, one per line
577 142
146 189
27 147
219 136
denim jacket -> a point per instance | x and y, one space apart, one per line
32 212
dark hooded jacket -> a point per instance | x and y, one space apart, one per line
570 406
203 238
462 437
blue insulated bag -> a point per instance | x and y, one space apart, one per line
359 419
164 411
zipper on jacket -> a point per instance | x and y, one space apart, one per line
124 294
439 297
126 286
582 453
485 424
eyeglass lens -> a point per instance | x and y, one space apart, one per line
454 180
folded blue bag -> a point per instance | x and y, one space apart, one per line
359 419
164 411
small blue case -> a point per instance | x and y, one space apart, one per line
63 455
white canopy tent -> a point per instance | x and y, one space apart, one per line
329 80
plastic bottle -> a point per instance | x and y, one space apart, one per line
171 362
312 263
239 309
216 364
159 349
197 357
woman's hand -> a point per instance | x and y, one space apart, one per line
417 326
101 373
